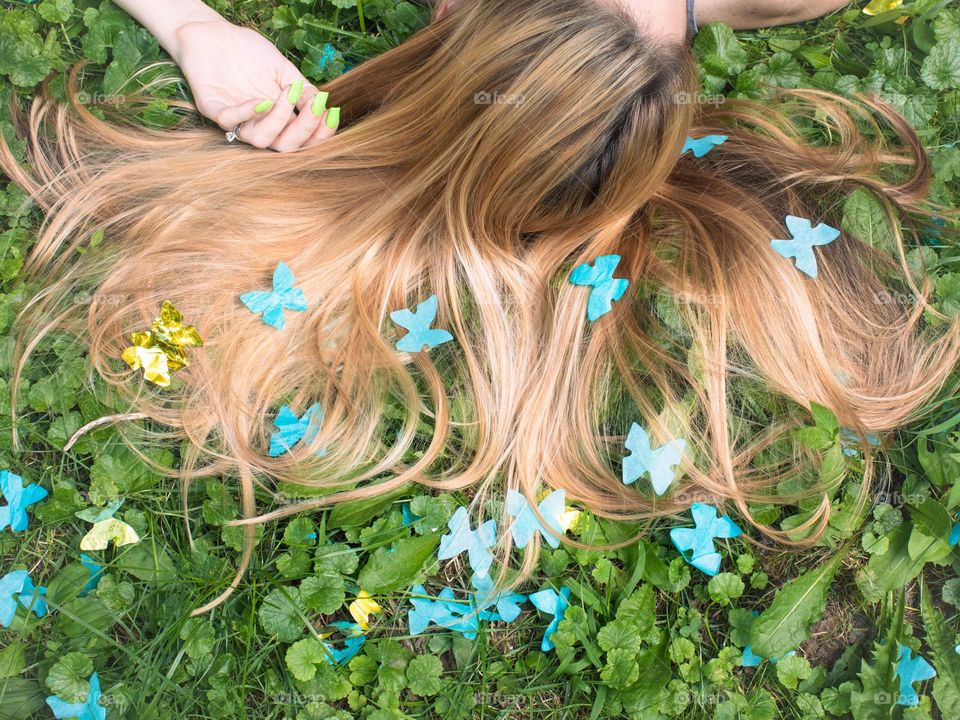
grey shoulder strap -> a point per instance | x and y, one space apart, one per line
691 18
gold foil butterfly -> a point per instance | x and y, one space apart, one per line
160 350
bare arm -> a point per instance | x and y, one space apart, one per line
745 14
163 19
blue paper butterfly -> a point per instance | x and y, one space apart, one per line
805 238
16 586
850 441
292 429
751 659
419 333
552 603
444 611
18 497
507 603
475 542
701 146
352 643
606 289
659 463
95 570
525 522
272 304
90 709
328 53
696 544
955 534
911 670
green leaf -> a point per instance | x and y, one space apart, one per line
619 634
897 566
358 513
932 518
21 699
281 614
55 11
941 68
725 588
303 658
792 669
298 531
621 670
946 25
394 568
323 592
864 218
198 638
797 605
148 561
12 660
69 678
946 685
720 51
423 675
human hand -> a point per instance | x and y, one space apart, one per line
238 76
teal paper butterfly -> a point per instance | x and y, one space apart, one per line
283 296
19 498
507 603
351 645
525 522
475 542
444 611
643 459
95 570
553 603
417 324
90 709
805 238
911 670
701 146
292 429
16 586
606 289
696 544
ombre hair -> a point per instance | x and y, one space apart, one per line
481 160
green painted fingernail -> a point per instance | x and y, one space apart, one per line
319 103
263 106
333 117
296 87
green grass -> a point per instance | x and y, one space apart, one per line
646 636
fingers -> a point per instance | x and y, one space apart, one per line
229 117
265 127
276 124
315 123
327 129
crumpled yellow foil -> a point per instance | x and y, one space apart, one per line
160 350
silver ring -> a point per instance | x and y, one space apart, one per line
232 135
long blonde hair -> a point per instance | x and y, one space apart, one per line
481 160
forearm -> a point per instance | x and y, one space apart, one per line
164 17
743 14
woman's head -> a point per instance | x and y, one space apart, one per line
553 112
480 161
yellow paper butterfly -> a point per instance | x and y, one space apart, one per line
104 531
362 608
878 7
